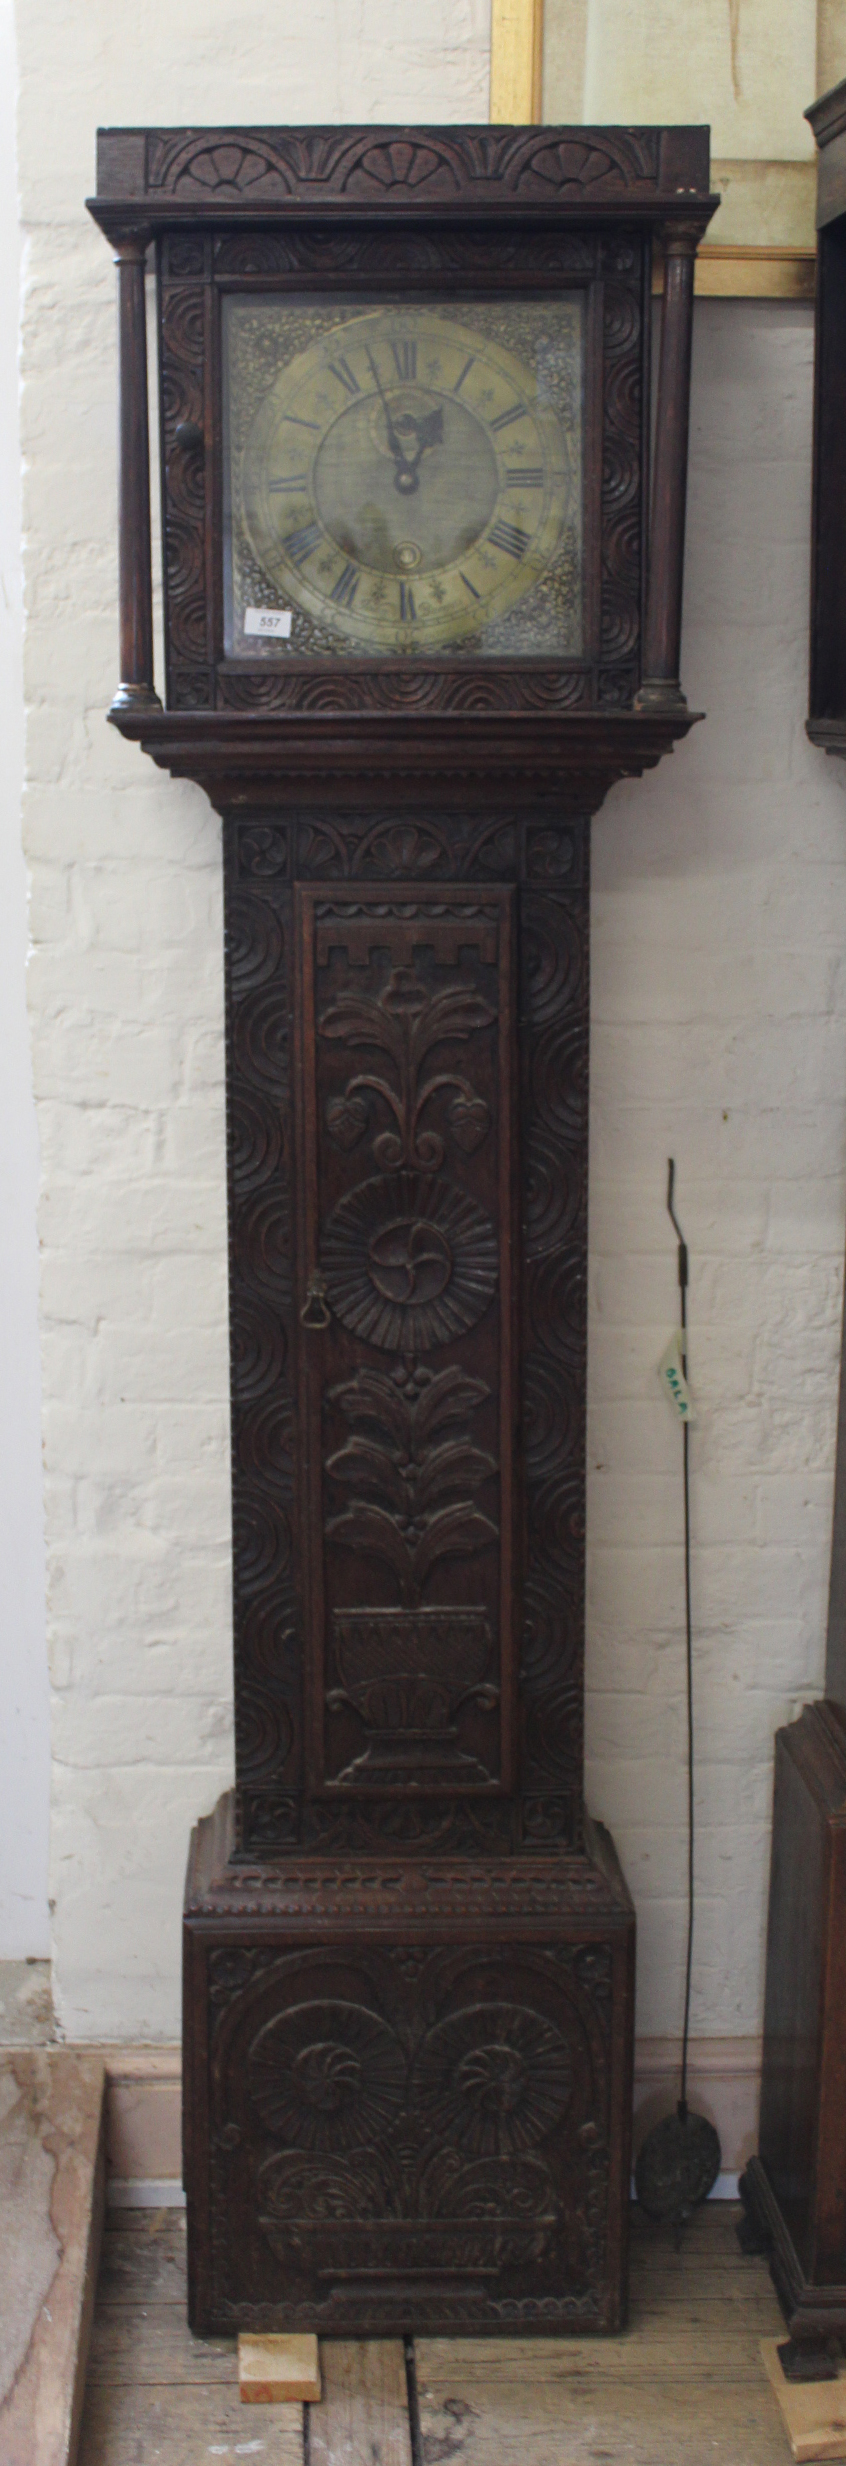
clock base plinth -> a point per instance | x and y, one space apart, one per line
407 2094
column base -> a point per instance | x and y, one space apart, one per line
134 698
407 2092
659 694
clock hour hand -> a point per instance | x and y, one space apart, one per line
428 431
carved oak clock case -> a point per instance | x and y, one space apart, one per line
413 631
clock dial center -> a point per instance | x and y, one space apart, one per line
442 457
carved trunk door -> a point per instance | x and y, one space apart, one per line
407 1181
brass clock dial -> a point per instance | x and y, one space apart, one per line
407 480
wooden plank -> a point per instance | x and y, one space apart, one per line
701 2347
363 2419
277 2371
151 2343
711 2230
646 2422
125 2425
144 2262
813 2411
755 2315
52 2198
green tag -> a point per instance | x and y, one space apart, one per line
673 1380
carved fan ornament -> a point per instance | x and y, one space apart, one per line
400 165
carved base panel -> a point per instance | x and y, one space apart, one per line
407 2092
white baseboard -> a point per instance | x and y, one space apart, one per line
144 2093
162 2192
144 2192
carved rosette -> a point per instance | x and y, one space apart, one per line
410 1261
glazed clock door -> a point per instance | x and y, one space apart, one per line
404 478
407 1171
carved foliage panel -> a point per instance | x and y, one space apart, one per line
406 1174
276 1808
268 1642
412 2123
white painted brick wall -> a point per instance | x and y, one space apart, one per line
719 1037
24 1725
125 994
719 1011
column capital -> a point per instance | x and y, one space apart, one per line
680 237
130 248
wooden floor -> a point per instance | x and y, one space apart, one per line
683 2387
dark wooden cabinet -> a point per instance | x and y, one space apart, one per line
795 2187
409 1954
827 701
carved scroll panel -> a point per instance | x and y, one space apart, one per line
407 1180
429 2122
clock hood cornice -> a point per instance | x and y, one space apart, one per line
150 177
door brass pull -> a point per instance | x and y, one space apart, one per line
314 1312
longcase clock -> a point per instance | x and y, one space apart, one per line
412 634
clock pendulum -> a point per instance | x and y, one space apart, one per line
679 2160
412 635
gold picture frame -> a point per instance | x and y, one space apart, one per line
516 62
723 271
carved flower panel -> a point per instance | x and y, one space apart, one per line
407 1170
437 2119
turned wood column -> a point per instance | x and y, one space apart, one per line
660 689
136 690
